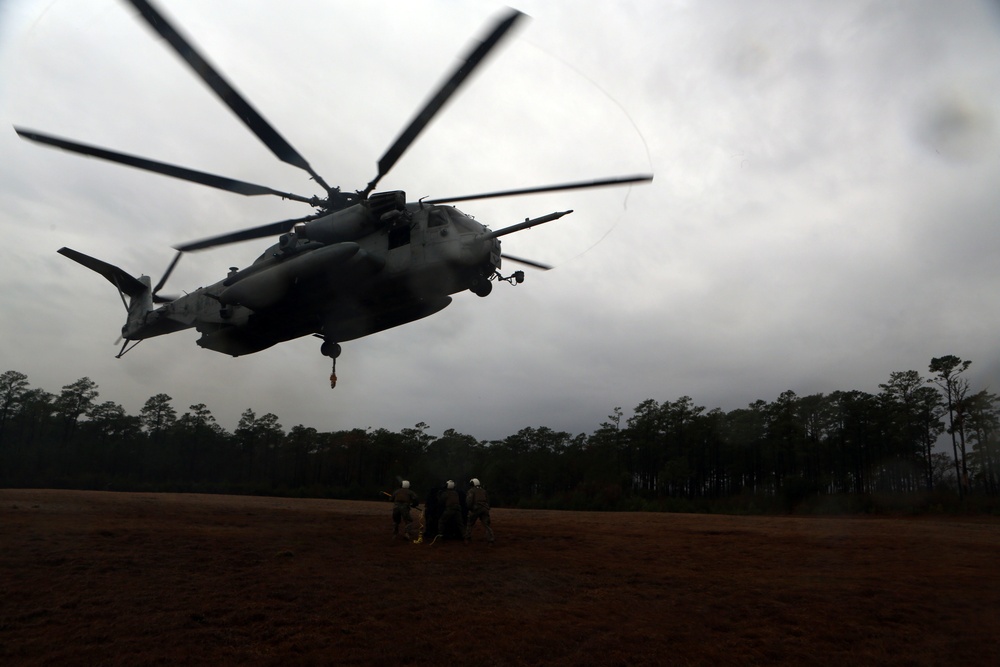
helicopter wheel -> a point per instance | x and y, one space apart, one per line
481 287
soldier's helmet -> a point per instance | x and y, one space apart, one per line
450 484
474 482
406 484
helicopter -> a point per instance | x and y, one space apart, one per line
361 263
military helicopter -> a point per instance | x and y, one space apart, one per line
362 262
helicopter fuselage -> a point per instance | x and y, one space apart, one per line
363 274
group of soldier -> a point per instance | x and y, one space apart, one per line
450 515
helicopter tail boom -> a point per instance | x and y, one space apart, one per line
138 290
125 283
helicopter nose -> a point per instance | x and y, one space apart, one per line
491 252
483 252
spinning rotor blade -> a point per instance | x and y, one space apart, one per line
183 173
170 269
444 93
222 88
163 281
272 229
604 182
527 262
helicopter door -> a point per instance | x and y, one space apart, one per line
403 240
399 236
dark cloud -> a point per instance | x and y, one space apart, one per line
824 209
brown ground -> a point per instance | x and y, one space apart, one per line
134 578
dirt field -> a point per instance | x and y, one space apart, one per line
95 578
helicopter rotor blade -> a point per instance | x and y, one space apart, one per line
225 91
272 229
441 97
527 262
183 173
163 281
599 183
166 274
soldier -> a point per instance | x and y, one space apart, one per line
403 498
451 505
478 502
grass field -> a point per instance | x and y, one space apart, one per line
94 578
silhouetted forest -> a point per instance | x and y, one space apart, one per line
843 451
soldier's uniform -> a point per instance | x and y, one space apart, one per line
478 502
403 498
452 509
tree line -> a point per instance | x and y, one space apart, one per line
843 451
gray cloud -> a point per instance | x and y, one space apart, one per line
824 210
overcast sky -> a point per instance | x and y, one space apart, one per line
825 209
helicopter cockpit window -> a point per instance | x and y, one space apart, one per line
462 222
437 218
